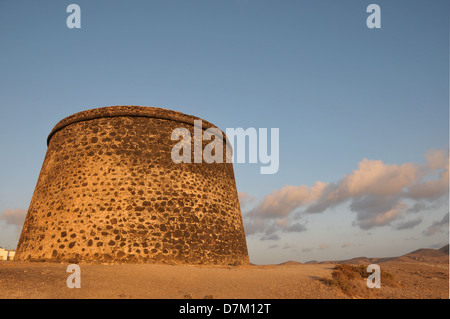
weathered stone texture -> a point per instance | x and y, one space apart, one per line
108 191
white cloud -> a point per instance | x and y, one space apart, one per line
376 191
409 223
245 199
281 202
15 217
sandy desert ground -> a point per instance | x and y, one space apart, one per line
421 274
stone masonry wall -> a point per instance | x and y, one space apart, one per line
108 191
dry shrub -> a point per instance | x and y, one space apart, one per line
352 280
387 279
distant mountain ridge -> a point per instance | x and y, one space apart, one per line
440 255
444 249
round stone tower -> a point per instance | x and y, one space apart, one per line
109 191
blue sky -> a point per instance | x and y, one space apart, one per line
338 91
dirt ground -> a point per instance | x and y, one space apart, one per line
20 280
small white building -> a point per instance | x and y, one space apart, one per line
7 254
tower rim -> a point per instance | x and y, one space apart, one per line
132 111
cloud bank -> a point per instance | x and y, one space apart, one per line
437 226
14 217
378 193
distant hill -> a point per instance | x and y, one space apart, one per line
426 255
444 249
290 262
423 255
